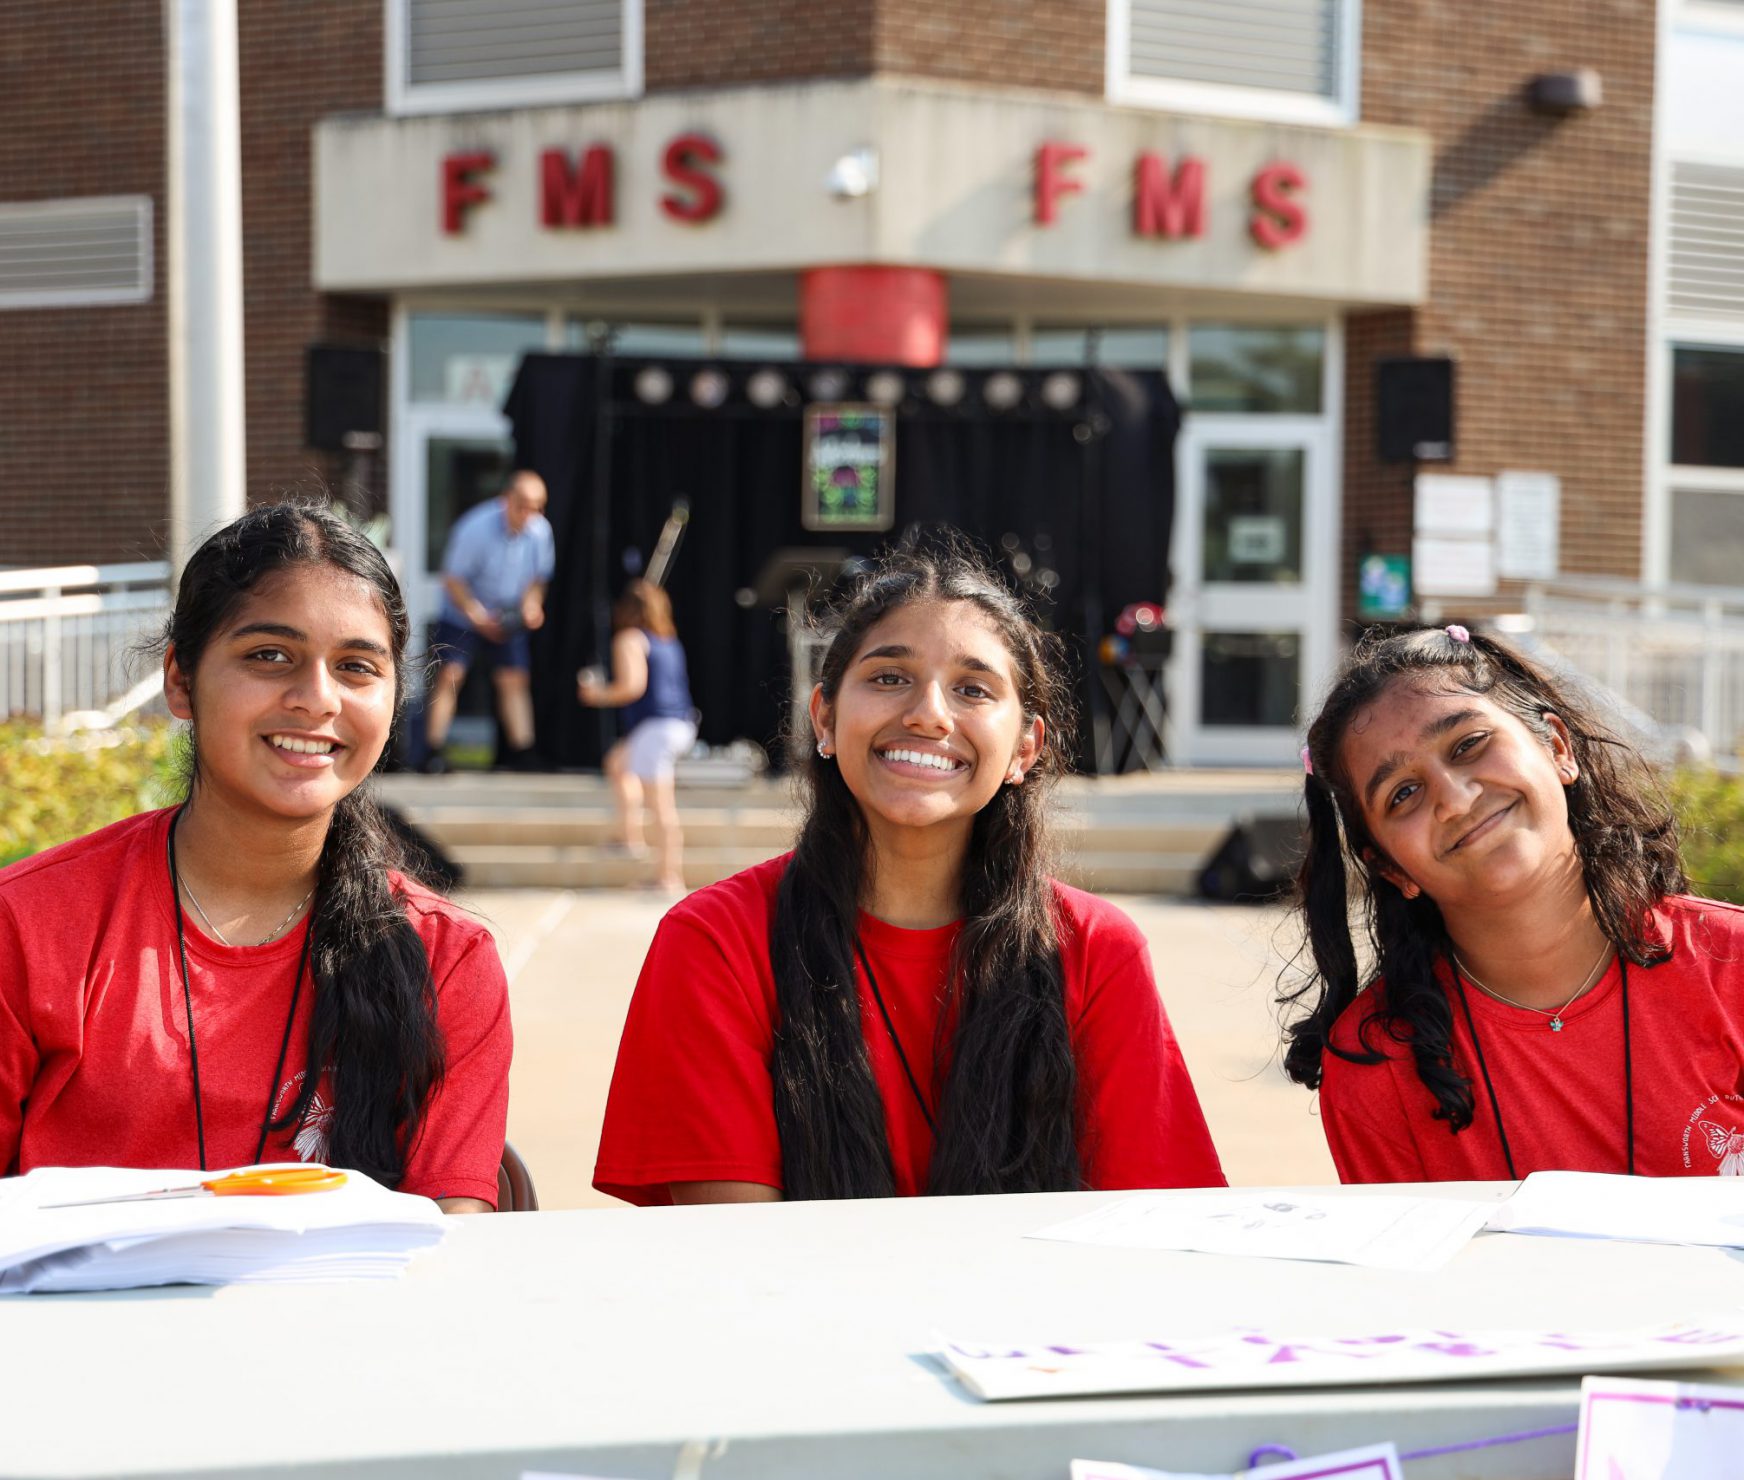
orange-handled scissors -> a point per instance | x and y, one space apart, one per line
249 1182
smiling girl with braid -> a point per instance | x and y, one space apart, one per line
1540 992
251 975
907 1003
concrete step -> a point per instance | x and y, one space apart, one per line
768 829
561 867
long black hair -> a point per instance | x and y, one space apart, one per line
1007 1111
1624 836
373 1027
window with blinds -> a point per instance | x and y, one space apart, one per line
1705 273
1285 59
456 54
69 253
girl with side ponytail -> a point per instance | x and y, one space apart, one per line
252 975
907 1003
1537 990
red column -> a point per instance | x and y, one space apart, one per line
894 315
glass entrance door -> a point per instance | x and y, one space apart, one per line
446 460
1254 599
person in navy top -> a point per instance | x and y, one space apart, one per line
652 686
499 561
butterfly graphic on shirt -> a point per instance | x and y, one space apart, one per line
314 1130
1727 1146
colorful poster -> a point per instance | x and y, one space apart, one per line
850 466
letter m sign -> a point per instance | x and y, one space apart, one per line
579 195
1168 206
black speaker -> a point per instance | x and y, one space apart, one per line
1256 861
344 396
1414 410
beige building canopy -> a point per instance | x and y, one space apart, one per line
778 179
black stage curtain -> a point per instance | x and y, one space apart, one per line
1086 493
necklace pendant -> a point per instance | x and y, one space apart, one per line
1556 1024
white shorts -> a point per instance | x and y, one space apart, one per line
652 747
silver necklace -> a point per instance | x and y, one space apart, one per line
283 925
1554 1016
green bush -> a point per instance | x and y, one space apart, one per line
1710 818
53 790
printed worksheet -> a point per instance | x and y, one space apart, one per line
1411 1233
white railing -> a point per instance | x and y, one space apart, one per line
1675 654
68 634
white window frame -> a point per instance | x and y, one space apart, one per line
404 97
1707 15
139 291
1228 100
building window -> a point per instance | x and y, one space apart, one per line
1143 348
1250 678
1289 60
1707 407
452 55
70 253
759 341
1707 535
981 344
469 359
1256 368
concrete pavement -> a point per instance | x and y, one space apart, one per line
572 959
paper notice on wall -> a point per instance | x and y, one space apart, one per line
1382 1232
1444 504
1442 566
1374 1462
1528 526
1634 1430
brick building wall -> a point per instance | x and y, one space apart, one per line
84 445
337 46
1002 43
1538 264
727 43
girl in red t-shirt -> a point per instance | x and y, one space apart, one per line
908 1003
1540 993
248 972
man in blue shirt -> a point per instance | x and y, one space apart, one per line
495 570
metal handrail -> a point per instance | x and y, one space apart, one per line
74 577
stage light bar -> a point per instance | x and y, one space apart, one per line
653 385
945 387
1060 390
708 388
885 388
1002 391
766 389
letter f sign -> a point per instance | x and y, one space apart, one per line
1051 180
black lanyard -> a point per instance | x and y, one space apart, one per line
188 1005
1496 1105
890 1028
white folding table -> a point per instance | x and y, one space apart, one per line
762 1342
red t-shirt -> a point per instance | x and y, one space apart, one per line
94 1065
691 1097
1562 1093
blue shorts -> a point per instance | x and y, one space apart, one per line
453 643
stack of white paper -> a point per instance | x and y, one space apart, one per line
1382 1232
355 1232
1654 1210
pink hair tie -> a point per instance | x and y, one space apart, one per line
1458 633
1307 762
